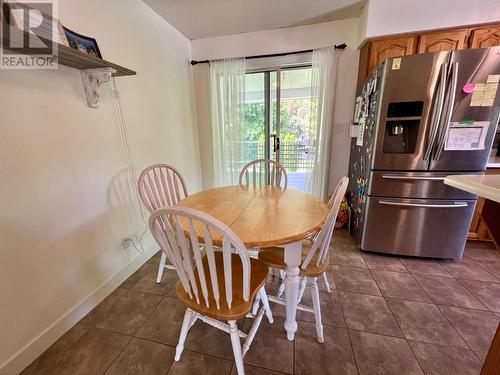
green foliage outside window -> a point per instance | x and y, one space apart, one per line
295 127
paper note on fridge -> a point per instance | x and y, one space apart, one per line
484 94
361 132
466 137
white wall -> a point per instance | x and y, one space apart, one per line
61 218
388 17
276 41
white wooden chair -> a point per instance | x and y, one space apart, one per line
264 172
217 284
161 185
314 259
324 277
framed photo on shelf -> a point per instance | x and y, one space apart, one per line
82 43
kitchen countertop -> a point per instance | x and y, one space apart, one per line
493 162
487 186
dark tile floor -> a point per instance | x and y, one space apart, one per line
385 315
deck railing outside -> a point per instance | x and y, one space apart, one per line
295 156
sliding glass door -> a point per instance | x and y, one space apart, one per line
278 120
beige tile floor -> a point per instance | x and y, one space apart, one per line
385 315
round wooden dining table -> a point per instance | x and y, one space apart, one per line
266 216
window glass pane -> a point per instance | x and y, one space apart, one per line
254 137
297 138
295 125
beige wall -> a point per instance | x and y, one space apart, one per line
64 203
201 81
285 40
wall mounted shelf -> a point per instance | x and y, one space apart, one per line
75 59
94 70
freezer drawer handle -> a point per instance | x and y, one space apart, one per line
455 205
429 178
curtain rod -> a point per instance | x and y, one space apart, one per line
338 46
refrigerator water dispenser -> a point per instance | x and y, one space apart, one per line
401 127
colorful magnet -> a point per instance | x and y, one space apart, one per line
469 88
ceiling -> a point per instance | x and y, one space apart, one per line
198 19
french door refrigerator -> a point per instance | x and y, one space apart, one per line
421 118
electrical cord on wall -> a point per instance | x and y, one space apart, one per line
129 161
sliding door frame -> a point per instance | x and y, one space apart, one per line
267 115
267 109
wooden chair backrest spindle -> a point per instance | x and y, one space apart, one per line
264 172
161 185
187 253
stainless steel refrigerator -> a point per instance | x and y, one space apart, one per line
421 118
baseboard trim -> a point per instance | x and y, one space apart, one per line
20 360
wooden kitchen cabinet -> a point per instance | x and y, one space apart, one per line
395 47
374 52
443 41
485 37
479 230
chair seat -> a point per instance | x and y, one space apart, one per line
239 307
275 257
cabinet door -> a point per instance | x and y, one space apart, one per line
484 38
443 41
382 49
479 227
364 54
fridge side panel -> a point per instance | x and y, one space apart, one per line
361 157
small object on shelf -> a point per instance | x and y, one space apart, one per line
82 43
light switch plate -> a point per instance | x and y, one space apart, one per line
339 128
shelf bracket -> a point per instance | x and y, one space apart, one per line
92 80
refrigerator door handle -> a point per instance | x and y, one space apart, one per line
437 111
428 178
449 113
403 204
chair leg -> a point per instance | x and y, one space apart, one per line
265 303
325 281
317 309
282 275
256 304
235 341
161 267
186 324
302 287
252 332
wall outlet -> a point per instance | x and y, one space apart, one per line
127 242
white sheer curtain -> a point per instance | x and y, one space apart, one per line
227 94
323 82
